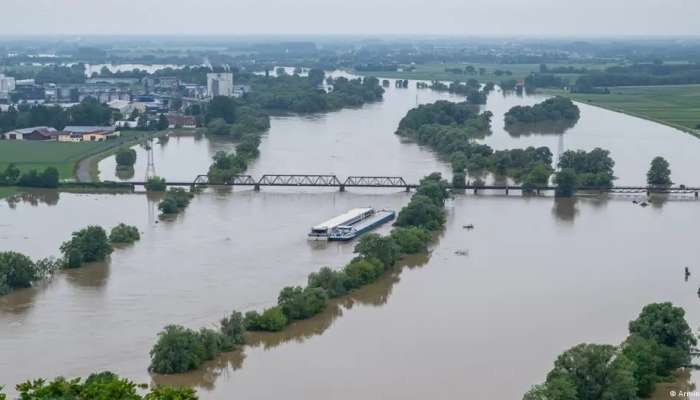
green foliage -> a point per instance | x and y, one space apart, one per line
17 271
361 272
86 245
155 184
537 177
411 240
593 168
170 393
123 233
298 303
233 327
222 107
46 179
271 320
421 212
659 173
550 110
666 325
125 157
175 199
382 248
10 175
566 183
659 343
178 350
333 282
597 372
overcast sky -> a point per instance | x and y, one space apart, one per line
456 17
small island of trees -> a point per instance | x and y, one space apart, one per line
554 110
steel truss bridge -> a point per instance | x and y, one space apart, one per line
312 180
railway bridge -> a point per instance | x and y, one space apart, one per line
313 180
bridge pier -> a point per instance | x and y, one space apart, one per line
342 188
256 187
507 190
476 190
408 190
696 195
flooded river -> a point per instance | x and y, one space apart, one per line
485 325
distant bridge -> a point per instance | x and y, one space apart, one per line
311 180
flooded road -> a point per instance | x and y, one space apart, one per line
485 325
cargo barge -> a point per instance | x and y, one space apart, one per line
350 224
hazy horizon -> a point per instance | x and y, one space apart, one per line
550 18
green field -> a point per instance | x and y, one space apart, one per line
676 106
7 191
430 72
64 156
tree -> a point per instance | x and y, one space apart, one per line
16 271
87 245
125 157
298 303
124 234
659 173
155 184
233 327
598 372
218 127
271 320
646 355
666 325
421 212
363 271
168 206
316 76
333 282
177 350
383 248
566 183
163 123
411 240
222 107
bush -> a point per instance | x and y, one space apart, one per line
17 271
87 245
411 240
47 179
363 271
214 343
103 386
233 327
123 233
155 184
298 303
421 212
125 157
333 282
382 248
175 200
178 350
271 320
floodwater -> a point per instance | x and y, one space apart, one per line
539 276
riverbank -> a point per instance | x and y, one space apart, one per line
674 106
87 169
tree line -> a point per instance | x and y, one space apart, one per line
91 244
179 349
88 112
658 344
104 385
555 109
647 74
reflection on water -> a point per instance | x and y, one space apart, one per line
565 209
540 128
376 294
34 197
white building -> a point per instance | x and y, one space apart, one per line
220 84
7 85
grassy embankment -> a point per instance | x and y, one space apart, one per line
675 106
430 72
63 156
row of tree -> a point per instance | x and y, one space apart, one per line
450 128
179 349
103 385
555 109
12 176
658 344
639 75
88 112
90 244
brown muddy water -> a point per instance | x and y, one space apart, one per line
539 276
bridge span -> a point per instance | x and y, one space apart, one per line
313 180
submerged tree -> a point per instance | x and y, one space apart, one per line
659 173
